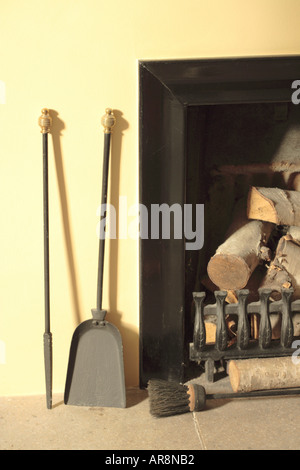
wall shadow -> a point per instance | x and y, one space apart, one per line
56 132
115 161
130 338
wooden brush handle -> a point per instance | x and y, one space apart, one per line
197 398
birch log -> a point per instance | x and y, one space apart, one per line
263 374
279 206
235 260
284 270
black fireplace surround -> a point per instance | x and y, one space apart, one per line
172 95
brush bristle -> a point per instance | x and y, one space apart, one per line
167 398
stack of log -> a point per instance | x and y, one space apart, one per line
248 245
280 207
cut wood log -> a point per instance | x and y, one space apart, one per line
244 248
279 206
276 279
209 285
294 232
252 285
294 181
210 331
284 270
263 374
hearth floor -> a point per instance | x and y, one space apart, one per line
271 423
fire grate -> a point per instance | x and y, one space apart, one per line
245 347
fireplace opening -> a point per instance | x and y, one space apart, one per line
232 148
209 132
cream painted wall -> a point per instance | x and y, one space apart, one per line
78 57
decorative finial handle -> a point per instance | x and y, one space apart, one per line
45 121
108 121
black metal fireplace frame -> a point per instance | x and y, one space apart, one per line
167 89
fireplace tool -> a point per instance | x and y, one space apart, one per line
95 375
45 122
171 398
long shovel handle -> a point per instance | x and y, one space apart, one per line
108 121
45 122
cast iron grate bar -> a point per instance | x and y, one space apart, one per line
245 346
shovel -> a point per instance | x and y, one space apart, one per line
45 122
95 375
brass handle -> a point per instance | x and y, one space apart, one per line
108 121
45 121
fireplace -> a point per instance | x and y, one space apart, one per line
206 129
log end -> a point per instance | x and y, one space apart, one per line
228 272
260 207
234 376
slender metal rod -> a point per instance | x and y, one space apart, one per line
45 123
46 233
254 393
102 231
108 121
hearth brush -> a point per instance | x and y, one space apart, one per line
172 398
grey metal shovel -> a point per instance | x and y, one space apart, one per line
95 375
